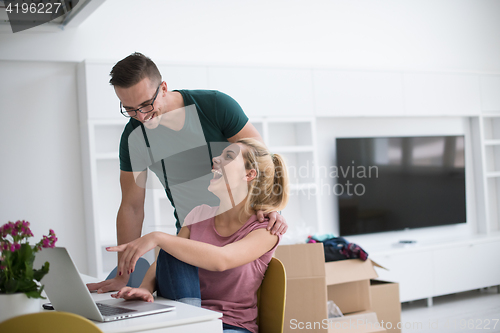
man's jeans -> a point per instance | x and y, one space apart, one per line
177 280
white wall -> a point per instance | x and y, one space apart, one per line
40 168
384 34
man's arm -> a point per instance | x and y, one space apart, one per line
248 131
128 222
131 212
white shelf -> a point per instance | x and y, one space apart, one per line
486 141
495 174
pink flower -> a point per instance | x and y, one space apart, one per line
5 246
49 241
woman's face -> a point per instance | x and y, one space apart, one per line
229 173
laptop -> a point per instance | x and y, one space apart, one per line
67 291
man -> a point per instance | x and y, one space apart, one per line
172 133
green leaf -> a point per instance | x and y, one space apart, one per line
26 285
38 274
34 294
11 286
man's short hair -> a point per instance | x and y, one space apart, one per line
132 69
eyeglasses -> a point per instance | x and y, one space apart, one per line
145 109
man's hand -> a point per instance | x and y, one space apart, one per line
134 293
114 284
276 221
133 251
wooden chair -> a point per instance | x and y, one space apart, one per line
271 298
49 322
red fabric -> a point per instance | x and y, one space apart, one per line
234 291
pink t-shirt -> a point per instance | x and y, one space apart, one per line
234 291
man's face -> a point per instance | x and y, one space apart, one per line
141 95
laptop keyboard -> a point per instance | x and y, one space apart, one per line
107 310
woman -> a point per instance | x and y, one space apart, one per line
227 243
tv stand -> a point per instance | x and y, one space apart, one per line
437 268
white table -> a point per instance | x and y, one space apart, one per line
184 319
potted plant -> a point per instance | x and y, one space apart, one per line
20 288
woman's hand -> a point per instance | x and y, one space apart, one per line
134 293
133 251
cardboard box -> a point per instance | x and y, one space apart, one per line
385 302
360 322
306 288
348 284
311 282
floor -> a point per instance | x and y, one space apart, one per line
471 311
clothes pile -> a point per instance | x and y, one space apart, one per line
337 248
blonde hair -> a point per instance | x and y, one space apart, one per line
268 191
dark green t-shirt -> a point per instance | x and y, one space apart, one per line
182 159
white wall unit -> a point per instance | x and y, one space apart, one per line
486 128
490 92
487 147
435 94
441 267
295 140
411 270
457 268
281 103
358 93
277 92
101 125
101 100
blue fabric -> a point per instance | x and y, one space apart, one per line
322 238
135 279
233 329
177 280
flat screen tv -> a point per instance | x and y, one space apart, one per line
397 183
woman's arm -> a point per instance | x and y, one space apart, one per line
148 284
203 255
149 280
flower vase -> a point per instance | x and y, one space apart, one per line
13 305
